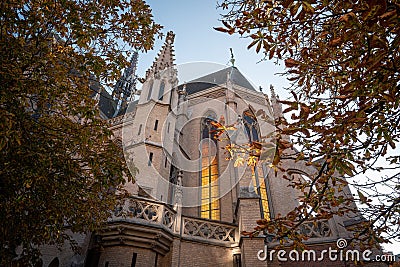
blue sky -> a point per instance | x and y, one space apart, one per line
193 21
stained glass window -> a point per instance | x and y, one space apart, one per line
260 187
210 207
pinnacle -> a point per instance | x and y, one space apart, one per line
165 58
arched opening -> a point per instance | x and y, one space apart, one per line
210 206
259 182
161 91
251 126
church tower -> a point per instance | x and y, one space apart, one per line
151 132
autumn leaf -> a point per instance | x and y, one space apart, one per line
220 29
240 161
290 63
363 198
336 41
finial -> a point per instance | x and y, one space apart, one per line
170 37
271 88
232 58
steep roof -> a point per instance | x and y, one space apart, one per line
107 105
106 102
218 78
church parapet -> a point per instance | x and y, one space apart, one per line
318 229
315 231
140 211
205 229
136 209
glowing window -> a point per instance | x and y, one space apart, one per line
210 207
261 189
251 126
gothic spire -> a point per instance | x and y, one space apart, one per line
126 85
165 58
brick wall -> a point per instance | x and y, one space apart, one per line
249 248
121 256
204 255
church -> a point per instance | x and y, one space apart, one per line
191 200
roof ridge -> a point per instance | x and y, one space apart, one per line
220 77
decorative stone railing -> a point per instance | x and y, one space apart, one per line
157 213
154 213
145 211
318 229
208 230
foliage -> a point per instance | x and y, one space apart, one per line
342 59
59 166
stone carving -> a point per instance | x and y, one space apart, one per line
208 230
316 229
168 218
146 210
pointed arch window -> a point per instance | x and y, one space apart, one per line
250 123
161 91
150 90
259 183
210 206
